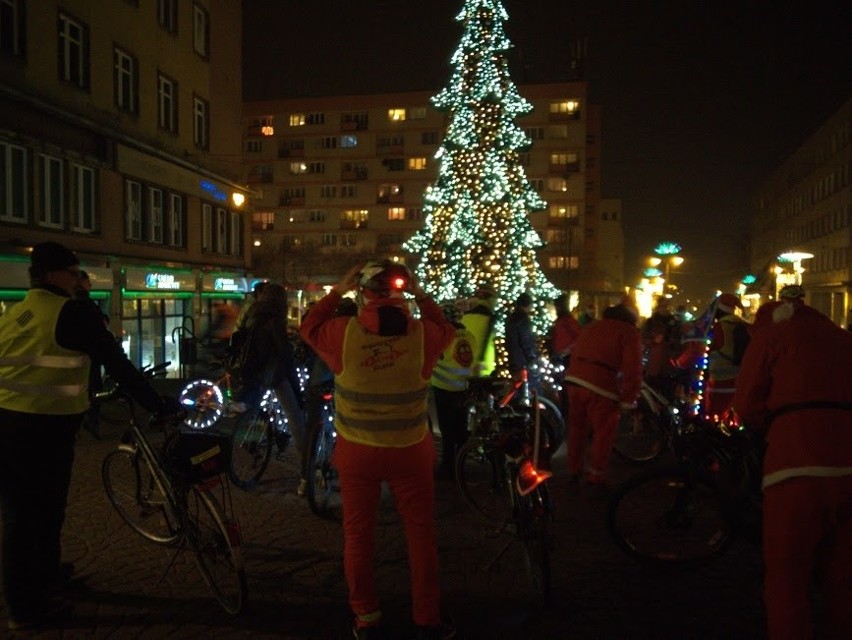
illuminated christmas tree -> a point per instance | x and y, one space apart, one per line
477 230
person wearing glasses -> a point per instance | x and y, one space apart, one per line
48 342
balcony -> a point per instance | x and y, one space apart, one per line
564 117
352 225
291 201
394 198
564 169
259 178
391 150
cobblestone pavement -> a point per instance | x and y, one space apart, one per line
129 588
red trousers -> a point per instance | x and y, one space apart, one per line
807 536
409 474
590 412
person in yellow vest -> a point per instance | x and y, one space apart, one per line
382 361
479 320
449 384
47 344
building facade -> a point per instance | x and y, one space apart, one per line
119 137
341 179
801 229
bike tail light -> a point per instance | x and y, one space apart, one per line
529 477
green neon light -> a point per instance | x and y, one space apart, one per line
157 293
667 249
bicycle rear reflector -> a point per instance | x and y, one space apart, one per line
529 477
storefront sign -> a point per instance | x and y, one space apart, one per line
157 280
223 283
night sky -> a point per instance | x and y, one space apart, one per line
700 100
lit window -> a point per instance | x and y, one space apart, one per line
564 211
565 106
348 142
396 115
297 119
396 213
563 262
563 158
297 168
557 184
417 164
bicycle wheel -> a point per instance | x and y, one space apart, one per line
481 480
251 446
640 435
216 543
138 497
535 535
669 517
203 402
323 488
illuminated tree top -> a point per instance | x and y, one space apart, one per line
477 231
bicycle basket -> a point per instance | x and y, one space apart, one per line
194 456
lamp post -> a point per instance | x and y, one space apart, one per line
669 257
782 277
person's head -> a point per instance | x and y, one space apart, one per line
274 295
620 312
727 304
524 302
560 304
84 286
483 300
662 307
792 293
384 279
590 310
54 264
346 307
258 287
451 312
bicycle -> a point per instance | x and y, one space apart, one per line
500 474
644 433
259 423
166 494
687 513
323 489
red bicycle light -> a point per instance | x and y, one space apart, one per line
398 283
529 477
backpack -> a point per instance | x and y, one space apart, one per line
240 358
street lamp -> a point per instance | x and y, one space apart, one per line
782 277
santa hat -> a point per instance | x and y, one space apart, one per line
727 302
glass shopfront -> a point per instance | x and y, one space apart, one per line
155 305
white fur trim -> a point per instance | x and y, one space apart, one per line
783 312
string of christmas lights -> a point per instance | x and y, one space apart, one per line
477 231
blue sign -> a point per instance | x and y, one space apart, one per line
213 190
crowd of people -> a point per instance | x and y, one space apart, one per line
785 375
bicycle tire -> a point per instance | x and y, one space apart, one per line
322 486
536 539
251 446
640 436
138 497
203 402
669 517
216 542
481 481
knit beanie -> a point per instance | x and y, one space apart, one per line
51 256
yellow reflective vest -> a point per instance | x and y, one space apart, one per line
36 374
481 327
380 393
455 365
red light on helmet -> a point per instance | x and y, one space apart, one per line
398 283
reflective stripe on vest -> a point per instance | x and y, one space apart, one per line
37 375
453 368
380 393
719 364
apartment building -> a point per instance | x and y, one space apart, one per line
119 137
801 228
341 179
